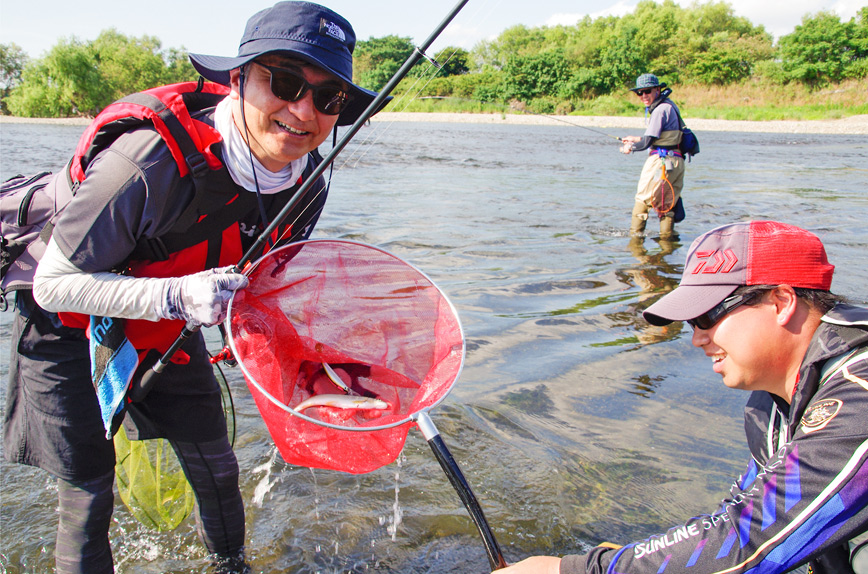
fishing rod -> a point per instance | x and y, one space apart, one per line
523 111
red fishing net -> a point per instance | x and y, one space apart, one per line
322 310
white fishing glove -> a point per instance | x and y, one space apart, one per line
201 298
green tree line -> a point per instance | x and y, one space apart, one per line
78 78
547 69
550 69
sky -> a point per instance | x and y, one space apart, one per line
215 26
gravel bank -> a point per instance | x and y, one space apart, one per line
851 125
55 121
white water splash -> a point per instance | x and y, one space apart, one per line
315 496
397 511
265 484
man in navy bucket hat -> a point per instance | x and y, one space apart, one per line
303 30
662 178
757 297
152 249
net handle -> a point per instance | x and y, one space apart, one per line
459 483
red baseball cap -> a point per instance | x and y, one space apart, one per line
751 253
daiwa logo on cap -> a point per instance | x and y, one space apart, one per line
327 28
723 261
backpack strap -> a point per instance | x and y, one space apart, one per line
664 93
179 140
681 124
168 109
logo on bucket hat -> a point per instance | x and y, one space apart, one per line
751 253
328 28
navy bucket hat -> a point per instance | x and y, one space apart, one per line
647 81
304 30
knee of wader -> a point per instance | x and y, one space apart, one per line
639 219
667 224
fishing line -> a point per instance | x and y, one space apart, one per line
523 111
366 143
364 146
556 118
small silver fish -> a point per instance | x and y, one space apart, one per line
342 402
336 379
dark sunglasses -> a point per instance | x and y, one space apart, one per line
711 318
290 86
644 92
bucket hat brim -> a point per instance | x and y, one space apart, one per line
217 68
646 81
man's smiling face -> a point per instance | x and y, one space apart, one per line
280 131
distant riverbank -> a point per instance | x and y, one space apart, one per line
52 121
851 125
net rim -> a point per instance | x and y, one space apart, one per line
411 417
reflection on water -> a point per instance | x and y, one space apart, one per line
654 275
573 420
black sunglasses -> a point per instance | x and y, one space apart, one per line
290 86
644 92
710 319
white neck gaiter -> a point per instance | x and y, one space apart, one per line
238 158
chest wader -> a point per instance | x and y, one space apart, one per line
657 191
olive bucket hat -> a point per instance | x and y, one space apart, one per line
304 30
647 81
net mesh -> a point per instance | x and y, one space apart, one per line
383 327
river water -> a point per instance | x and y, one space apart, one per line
573 420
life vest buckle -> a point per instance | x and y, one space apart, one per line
197 164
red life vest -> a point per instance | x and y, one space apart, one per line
206 235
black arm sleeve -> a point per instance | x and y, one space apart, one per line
644 143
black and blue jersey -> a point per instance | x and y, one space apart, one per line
805 492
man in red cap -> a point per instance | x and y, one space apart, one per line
757 297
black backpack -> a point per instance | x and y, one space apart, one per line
689 145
